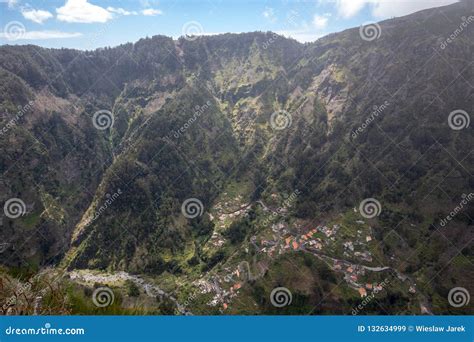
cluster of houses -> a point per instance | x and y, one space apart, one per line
230 209
329 232
220 295
353 276
226 212
283 240
223 293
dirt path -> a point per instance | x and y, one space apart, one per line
151 290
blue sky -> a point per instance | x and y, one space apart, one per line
88 24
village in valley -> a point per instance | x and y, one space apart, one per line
346 245
353 253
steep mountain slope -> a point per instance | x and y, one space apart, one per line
357 118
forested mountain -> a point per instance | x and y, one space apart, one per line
279 141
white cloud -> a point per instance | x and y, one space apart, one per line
12 3
40 35
38 16
307 32
121 11
149 3
303 36
151 11
349 8
216 33
81 11
269 14
385 8
320 22
208 34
